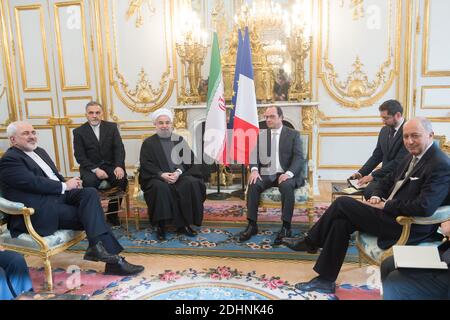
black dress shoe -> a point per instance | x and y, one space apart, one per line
317 284
187 231
192 230
299 244
250 231
99 253
160 233
284 233
123 268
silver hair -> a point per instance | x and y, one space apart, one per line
426 124
11 130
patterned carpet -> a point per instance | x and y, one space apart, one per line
235 211
221 283
215 240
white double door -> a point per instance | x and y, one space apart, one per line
54 64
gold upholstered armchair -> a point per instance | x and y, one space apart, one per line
32 243
366 244
304 196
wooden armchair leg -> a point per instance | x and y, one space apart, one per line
310 216
127 213
48 274
136 217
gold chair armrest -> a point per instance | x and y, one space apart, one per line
27 213
406 223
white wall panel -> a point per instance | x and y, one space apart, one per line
72 45
32 48
345 150
39 108
436 28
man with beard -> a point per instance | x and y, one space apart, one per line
389 151
172 183
99 150
29 176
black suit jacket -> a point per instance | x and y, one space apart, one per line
389 154
289 150
22 180
92 153
153 161
420 195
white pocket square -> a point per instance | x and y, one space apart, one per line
414 178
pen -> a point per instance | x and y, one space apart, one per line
384 199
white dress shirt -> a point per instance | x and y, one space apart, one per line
276 133
96 130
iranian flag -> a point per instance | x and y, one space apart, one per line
216 116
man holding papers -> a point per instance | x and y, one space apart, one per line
415 283
418 187
389 151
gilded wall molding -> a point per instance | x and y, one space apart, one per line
144 99
422 102
80 98
426 46
27 108
424 79
8 88
59 40
55 142
360 89
25 86
343 135
136 8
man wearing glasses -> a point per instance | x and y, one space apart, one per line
389 151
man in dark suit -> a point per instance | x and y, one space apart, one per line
29 176
389 151
418 187
282 169
100 152
418 284
172 183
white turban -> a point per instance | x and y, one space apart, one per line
162 112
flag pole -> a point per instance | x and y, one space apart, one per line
218 195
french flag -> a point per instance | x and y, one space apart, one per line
245 126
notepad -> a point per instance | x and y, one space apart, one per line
420 257
354 184
350 190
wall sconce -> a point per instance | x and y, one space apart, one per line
299 42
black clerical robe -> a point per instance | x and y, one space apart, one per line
180 204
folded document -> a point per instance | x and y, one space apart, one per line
421 257
354 184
